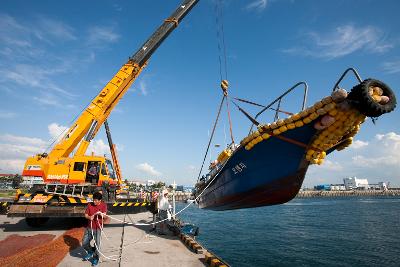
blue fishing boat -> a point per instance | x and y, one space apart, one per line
269 165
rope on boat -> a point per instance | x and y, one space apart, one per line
246 114
259 105
211 137
224 86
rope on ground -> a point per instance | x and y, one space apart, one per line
101 227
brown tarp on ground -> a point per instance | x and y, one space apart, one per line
38 250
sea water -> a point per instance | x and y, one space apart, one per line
347 231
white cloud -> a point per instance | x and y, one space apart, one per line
56 131
143 87
376 160
11 32
342 41
148 169
8 138
98 147
7 115
14 150
19 151
119 147
192 168
25 40
21 34
28 65
101 34
54 29
35 76
391 140
328 165
257 5
11 165
358 144
391 66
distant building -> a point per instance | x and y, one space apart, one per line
355 183
188 189
323 187
379 186
137 183
338 187
150 182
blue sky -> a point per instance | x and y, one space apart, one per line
55 56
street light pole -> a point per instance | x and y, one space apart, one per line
173 199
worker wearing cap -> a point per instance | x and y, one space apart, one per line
163 207
95 213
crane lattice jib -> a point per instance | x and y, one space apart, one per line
114 155
89 122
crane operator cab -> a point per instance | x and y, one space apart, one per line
98 172
92 174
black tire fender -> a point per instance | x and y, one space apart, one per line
361 99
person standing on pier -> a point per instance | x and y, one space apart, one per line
163 207
95 212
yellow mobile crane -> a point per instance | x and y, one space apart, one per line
68 173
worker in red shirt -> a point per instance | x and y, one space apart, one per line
96 215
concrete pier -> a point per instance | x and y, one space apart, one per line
349 193
129 245
135 245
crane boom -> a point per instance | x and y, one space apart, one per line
89 122
59 166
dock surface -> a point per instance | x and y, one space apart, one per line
126 245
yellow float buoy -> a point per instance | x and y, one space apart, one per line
299 123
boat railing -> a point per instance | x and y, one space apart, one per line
358 77
279 99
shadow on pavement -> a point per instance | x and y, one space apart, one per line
72 242
52 224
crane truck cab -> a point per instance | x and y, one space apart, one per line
89 170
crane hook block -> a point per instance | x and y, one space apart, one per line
224 86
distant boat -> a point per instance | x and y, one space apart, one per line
269 165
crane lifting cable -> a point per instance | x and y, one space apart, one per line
223 66
223 72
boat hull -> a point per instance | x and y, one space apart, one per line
270 173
